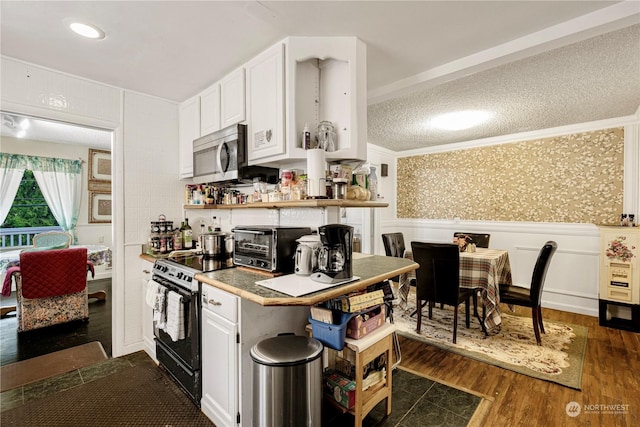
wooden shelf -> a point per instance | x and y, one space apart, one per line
316 203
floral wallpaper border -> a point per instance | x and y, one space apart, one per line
575 178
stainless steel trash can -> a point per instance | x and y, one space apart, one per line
287 381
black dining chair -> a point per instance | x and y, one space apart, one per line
438 280
531 297
480 240
394 246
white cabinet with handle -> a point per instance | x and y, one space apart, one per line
231 326
304 81
265 105
210 110
189 129
232 98
220 348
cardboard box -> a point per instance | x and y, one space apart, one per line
363 301
357 327
340 389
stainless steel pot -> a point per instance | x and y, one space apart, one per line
216 244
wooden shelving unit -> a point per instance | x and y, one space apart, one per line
361 352
314 203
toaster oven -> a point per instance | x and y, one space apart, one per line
269 248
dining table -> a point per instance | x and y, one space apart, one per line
483 270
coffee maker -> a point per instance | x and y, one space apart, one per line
334 259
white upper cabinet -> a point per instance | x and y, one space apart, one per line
189 129
265 105
232 99
309 80
30 89
210 109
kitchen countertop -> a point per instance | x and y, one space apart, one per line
241 282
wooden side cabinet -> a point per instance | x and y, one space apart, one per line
619 299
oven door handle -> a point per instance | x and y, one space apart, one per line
184 293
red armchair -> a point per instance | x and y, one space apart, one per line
51 287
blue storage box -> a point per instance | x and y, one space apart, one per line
331 335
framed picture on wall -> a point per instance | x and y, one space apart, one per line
99 166
99 207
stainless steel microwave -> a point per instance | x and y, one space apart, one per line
221 157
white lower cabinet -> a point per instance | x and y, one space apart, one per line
219 368
231 326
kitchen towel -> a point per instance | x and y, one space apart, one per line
152 293
175 316
159 308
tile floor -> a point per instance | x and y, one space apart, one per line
18 396
417 401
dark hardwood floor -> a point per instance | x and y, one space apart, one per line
611 376
15 347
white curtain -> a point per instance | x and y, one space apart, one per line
12 167
60 181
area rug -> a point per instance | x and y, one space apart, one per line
560 358
139 395
49 365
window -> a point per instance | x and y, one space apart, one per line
29 208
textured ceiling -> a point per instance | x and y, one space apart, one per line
595 79
423 57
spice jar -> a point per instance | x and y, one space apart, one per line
339 188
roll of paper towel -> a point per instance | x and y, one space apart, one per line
316 167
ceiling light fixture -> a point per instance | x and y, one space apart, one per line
86 30
460 120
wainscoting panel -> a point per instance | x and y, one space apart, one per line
572 279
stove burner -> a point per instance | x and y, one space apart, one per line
204 264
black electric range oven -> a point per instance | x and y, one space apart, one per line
181 356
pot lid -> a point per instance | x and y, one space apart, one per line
286 350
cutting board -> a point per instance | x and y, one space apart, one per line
296 285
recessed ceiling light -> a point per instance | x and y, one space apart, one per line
86 30
460 120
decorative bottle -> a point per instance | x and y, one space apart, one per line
177 238
306 137
187 235
373 184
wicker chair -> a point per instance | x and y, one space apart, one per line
59 239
